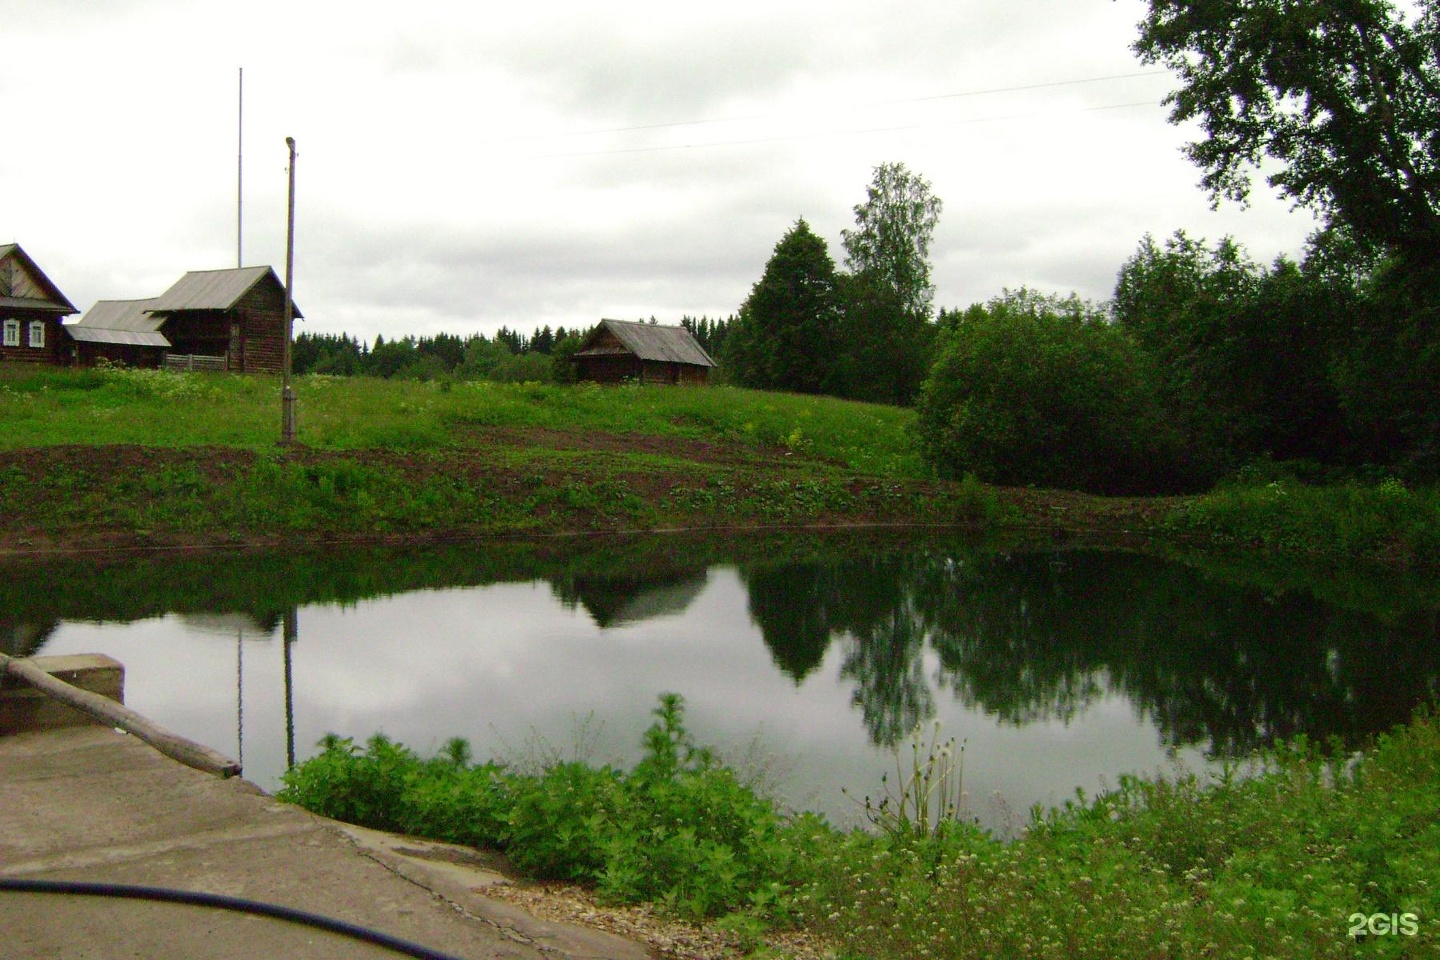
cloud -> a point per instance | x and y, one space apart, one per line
465 166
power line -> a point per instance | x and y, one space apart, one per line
840 133
600 131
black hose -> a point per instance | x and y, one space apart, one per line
221 902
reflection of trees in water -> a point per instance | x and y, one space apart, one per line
24 638
1041 637
888 669
800 608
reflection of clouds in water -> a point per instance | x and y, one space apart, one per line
1053 675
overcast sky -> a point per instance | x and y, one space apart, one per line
468 165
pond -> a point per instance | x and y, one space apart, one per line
808 659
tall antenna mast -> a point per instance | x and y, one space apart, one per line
240 178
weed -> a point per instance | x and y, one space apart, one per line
1266 861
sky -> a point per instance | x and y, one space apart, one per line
464 166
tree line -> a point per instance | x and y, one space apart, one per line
1204 361
506 356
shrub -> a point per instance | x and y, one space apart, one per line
1036 390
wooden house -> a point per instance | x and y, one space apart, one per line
224 319
32 310
619 351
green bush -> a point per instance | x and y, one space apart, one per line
679 830
1269 860
1036 390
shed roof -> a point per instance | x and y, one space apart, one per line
121 315
21 279
119 321
650 341
214 289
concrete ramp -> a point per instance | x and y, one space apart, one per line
86 803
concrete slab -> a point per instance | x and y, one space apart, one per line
90 804
23 708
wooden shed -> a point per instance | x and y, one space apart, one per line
224 319
32 310
617 351
120 331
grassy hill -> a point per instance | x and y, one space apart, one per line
145 458
139 458
49 407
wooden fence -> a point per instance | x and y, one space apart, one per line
196 362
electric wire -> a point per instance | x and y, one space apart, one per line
820 135
223 902
743 118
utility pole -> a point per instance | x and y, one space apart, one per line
287 393
240 177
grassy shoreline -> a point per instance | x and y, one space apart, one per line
1274 860
131 459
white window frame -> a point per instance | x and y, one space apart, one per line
12 333
37 335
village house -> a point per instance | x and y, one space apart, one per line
618 351
208 320
32 310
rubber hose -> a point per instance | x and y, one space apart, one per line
222 902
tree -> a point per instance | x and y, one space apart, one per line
886 298
786 335
1341 99
890 244
1032 389
1342 95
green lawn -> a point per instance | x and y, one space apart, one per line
48 407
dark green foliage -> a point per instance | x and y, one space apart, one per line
1276 856
1342 97
887 349
1385 519
1387 376
1333 359
1037 390
787 332
864 335
1245 353
560 820
680 829
1341 102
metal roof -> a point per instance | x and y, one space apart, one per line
139 338
121 315
214 289
119 321
651 341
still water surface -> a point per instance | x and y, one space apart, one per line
1057 671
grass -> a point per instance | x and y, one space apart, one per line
148 458
1385 520
1271 861
48 407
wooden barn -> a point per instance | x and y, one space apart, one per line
617 351
31 311
120 331
224 319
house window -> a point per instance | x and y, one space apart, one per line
37 333
12 333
